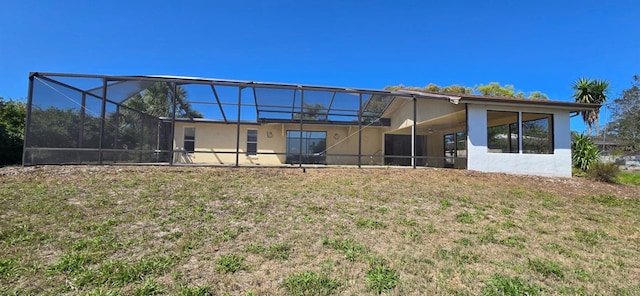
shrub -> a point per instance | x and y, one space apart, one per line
603 172
584 152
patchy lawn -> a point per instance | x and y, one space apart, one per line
262 231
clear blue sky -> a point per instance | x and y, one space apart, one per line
534 45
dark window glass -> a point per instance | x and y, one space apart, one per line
189 139
252 142
537 135
502 132
306 147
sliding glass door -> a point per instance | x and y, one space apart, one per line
307 147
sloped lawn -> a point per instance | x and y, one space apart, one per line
263 231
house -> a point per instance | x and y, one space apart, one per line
99 119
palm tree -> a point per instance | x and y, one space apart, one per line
156 101
591 92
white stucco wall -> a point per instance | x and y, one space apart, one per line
557 164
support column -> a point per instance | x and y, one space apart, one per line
301 127
360 131
102 117
83 107
238 127
413 134
27 123
173 124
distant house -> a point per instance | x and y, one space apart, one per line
77 118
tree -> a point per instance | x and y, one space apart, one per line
312 112
156 101
12 118
626 116
591 92
493 89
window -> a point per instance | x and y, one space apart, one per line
537 137
189 139
455 145
252 142
306 147
502 132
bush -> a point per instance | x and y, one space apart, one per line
603 172
584 152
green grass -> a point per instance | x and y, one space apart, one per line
628 178
499 285
311 284
229 263
114 230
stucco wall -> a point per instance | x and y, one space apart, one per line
426 109
557 164
216 143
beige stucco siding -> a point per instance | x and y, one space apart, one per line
426 110
216 143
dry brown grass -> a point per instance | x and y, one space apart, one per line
101 230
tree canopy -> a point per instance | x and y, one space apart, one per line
493 89
591 92
626 116
12 119
156 101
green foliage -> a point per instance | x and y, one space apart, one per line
369 223
603 172
465 217
590 92
150 287
626 116
381 278
229 263
629 178
493 89
607 200
8 268
156 99
350 247
312 112
195 291
547 268
589 237
279 251
309 283
503 285
12 119
584 152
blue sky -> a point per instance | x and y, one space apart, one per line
534 45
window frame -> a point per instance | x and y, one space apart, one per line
520 132
550 137
509 127
185 140
252 152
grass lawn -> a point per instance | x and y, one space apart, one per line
262 231
629 178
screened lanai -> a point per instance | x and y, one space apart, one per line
99 119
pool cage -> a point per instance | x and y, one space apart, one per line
170 120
